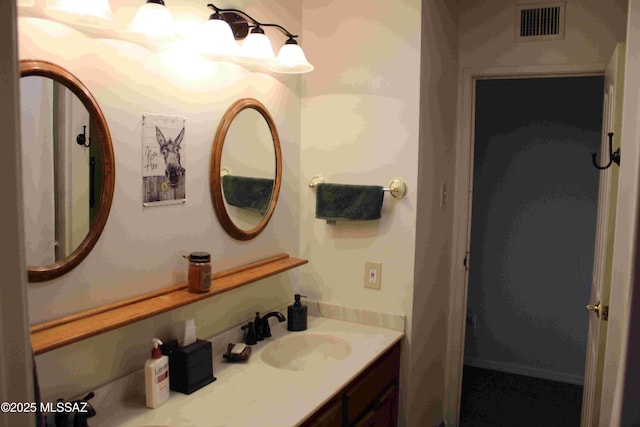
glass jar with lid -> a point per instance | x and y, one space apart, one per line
199 278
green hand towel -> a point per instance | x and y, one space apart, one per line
247 192
341 202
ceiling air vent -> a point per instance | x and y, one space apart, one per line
540 23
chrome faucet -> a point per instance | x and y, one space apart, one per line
262 323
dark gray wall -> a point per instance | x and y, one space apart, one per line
533 225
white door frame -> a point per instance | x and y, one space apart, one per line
16 378
462 208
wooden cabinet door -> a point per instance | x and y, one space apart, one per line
370 400
384 413
372 384
328 416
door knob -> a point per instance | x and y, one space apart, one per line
599 309
594 308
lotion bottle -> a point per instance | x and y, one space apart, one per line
156 377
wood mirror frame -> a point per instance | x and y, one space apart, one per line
59 74
215 181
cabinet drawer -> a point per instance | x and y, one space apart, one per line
371 384
330 415
384 412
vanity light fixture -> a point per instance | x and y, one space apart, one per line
91 14
152 23
257 49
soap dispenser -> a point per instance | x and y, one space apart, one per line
297 315
156 377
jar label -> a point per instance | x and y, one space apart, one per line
205 283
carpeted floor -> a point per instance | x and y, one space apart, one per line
497 399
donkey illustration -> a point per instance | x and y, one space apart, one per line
171 152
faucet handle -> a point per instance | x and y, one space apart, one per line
250 335
258 322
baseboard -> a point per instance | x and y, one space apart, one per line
514 368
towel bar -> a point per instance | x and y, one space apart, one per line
397 187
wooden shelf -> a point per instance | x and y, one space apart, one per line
56 333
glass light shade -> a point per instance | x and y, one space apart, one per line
291 60
84 13
215 40
152 21
256 49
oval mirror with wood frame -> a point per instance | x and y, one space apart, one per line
68 169
246 169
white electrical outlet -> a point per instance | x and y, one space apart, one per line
372 274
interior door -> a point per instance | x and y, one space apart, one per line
601 280
459 297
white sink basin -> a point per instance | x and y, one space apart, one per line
305 351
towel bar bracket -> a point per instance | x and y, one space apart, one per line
397 187
315 181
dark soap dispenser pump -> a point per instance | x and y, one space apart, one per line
297 315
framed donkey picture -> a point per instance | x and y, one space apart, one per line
163 154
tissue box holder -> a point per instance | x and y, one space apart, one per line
190 367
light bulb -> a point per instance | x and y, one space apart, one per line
291 60
256 48
215 40
153 23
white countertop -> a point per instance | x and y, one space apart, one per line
254 393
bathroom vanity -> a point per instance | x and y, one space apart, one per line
336 373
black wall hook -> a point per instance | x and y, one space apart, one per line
81 139
614 157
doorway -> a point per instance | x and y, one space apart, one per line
533 223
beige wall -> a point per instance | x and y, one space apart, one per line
141 248
360 117
371 114
487 34
360 126
438 96
37 170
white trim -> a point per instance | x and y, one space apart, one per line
600 285
528 71
16 374
462 208
529 371
621 344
